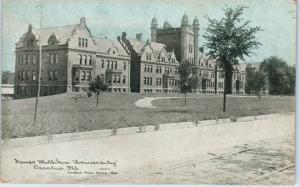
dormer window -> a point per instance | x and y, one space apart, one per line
148 56
82 42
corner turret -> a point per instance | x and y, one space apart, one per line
184 20
154 27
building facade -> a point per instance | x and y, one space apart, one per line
184 41
71 58
153 68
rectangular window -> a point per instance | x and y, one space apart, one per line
118 78
84 59
80 59
102 63
56 58
79 42
145 80
86 42
33 76
107 64
88 75
114 78
124 79
112 65
82 75
51 58
90 60
116 65
24 59
34 59
55 75
77 76
50 75
145 68
124 65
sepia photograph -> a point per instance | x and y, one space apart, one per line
148 92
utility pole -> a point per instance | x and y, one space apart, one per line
40 61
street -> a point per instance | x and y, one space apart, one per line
250 152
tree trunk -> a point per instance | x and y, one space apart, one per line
97 99
224 101
227 84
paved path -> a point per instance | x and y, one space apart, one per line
255 152
146 102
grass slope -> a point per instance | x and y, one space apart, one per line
65 113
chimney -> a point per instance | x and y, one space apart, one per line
139 36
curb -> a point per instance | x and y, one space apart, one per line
66 137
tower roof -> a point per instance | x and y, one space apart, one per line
154 24
184 20
167 25
196 22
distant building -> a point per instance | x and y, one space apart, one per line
7 91
251 68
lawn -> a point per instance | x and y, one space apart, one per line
65 113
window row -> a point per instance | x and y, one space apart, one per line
53 58
168 70
32 75
148 68
32 90
221 85
117 79
82 42
85 59
33 58
83 75
173 82
210 84
191 60
112 64
148 56
206 64
27 59
147 80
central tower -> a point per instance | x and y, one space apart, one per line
183 40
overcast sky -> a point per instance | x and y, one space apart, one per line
111 17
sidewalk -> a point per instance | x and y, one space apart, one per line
138 156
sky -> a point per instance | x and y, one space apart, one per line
109 18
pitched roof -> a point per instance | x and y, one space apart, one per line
104 44
62 33
139 45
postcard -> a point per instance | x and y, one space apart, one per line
148 92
